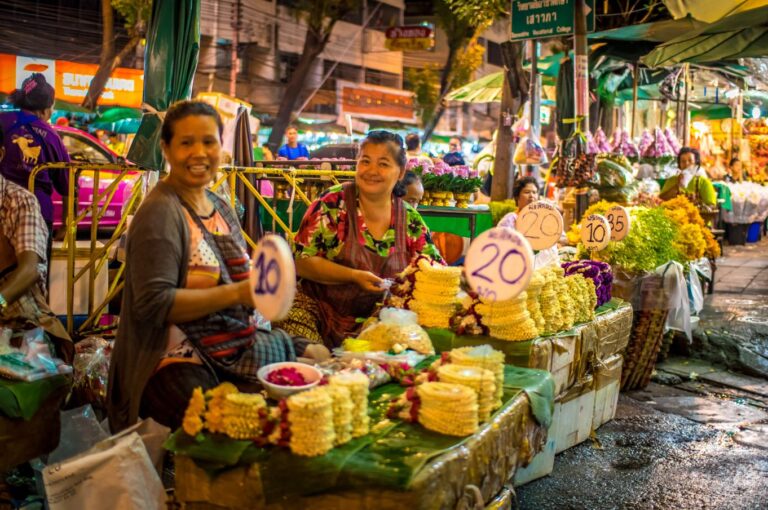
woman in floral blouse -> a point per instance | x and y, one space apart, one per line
351 240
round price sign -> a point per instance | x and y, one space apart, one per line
595 232
499 264
618 218
541 223
273 277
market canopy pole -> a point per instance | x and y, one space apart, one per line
173 45
581 71
635 82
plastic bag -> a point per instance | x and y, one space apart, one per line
695 292
377 376
676 289
33 359
529 152
397 327
91 365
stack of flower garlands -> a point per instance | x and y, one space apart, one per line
468 389
552 303
694 240
310 423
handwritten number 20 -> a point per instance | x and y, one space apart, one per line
265 284
480 272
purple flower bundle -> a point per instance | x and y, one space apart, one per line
602 141
599 272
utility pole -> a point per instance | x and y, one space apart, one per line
235 43
581 70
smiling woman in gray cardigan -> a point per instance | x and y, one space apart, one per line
221 337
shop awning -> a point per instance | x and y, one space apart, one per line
743 34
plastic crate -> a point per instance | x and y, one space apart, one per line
737 233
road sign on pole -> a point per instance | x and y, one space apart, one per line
536 19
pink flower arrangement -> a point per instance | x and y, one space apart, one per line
417 164
602 141
441 168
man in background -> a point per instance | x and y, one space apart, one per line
292 149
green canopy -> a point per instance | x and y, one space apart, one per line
122 126
740 35
485 90
173 45
119 113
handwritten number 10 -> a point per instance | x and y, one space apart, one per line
263 285
479 272
593 232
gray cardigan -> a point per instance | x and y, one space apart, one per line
157 256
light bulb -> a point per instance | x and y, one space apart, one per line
755 112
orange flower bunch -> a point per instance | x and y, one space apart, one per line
694 240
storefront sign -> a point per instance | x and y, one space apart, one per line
541 223
71 80
373 102
534 19
410 38
618 217
499 264
273 278
595 232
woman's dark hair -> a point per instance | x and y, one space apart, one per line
733 161
393 141
35 94
184 109
402 185
412 141
520 184
689 150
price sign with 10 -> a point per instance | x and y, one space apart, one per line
595 232
499 264
273 278
541 223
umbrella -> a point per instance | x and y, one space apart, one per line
242 155
173 45
119 113
123 126
566 108
485 90
743 34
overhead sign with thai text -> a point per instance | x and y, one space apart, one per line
374 102
536 19
410 38
71 80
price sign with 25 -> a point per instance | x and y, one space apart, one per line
541 223
499 264
618 217
273 277
595 232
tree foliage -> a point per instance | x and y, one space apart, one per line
423 83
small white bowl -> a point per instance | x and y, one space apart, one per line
309 372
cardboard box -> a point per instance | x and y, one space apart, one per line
613 331
607 382
541 465
58 280
563 355
572 422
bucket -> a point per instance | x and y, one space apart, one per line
753 234
737 233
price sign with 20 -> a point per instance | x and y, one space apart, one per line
618 217
273 278
499 264
541 223
595 232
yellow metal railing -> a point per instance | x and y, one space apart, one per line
98 255
293 177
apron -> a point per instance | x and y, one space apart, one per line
228 340
339 306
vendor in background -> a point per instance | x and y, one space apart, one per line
293 150
30 141
410 189
187 317
353 238
454 156
116 144
735 171
413 149
526 191
23 238
691 180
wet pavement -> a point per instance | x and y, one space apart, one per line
698 441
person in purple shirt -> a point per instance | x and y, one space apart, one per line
293 149
31 141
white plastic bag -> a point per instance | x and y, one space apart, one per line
397 326
695 292
676 289
115 473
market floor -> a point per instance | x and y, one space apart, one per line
701 440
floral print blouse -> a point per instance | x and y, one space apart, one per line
323 230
